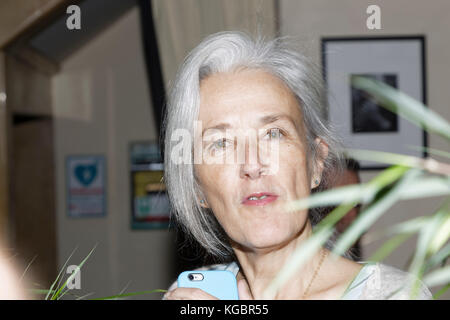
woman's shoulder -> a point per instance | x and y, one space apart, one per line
232 266
379 281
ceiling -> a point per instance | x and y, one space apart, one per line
56 42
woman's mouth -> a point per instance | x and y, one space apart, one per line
259 199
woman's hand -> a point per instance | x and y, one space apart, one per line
198 294
188 294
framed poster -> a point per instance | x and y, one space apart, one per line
149 202
85 186
360 121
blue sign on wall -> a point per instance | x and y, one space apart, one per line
86 189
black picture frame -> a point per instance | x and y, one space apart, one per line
344 56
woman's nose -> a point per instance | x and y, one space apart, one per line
252 167
251 171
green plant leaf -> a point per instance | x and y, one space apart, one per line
426 187
428 164
84 296
389 246
130 294
433 151
367 217
352 193
441 236
422 187
363 193
438 257
28 266
311 245
325 229
59 275
438 277
441 292
404 105
70 278
424 247
408 226
40 291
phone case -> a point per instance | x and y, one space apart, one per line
218 283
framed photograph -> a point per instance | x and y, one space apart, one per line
86 186
149 201
360 121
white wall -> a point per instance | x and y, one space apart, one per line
309 20
101 103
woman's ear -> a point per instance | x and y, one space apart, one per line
322 154
202 201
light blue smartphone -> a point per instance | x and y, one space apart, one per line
221 284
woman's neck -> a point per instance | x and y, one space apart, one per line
260 267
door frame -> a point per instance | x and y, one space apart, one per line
5 138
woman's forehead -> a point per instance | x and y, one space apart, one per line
247 93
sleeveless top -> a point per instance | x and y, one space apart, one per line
375 281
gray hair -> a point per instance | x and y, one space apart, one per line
227 52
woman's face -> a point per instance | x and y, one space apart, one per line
253 101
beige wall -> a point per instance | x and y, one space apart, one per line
309 20
101 103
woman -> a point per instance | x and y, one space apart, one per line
232 91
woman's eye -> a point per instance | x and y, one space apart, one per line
274 133
220 144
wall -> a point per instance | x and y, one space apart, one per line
101 103
309 20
